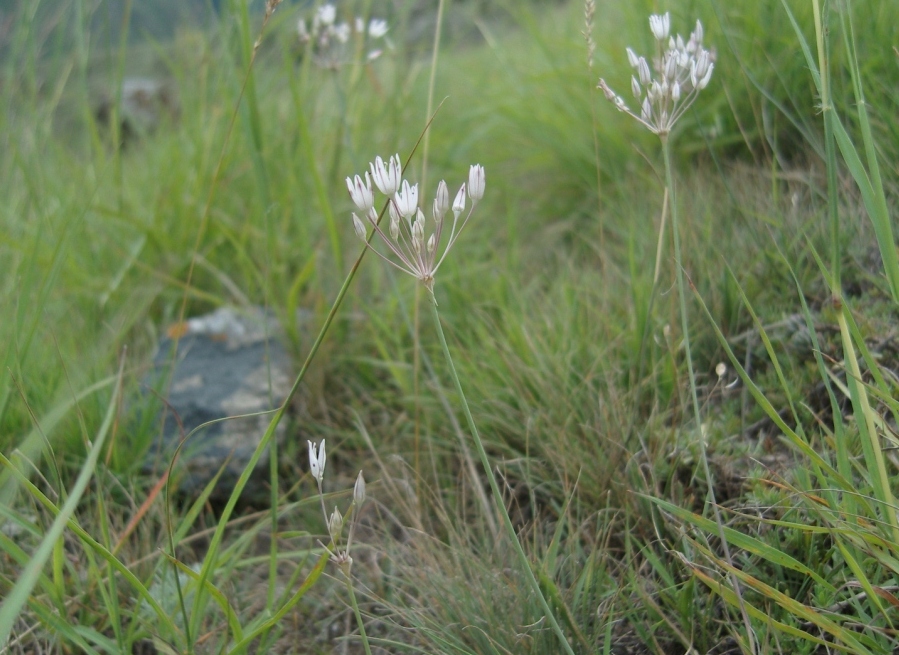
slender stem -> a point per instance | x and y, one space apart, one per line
697 414
349 587
497 496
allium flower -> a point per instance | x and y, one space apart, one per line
387 176
660 26
377 28
328 40
682 70
418 255
361 192
325 15
317 461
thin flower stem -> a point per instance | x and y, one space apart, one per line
362 635
697 414
497 496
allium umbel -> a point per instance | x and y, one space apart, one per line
417 255
682 70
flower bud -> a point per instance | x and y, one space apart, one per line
441 202
335 525
394 227
359 490
459 202
635 88
432 243
704 82
643 72
632 58
476 182
359 227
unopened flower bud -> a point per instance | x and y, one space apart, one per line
704 82
459 202
359 490
721 369
675 91
632 58
394 227
432 243
476 182
635 88
359 226
671 67
335 525
441 202
643 72
698 33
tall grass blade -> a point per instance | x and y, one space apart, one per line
20 593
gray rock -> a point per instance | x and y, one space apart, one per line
228 363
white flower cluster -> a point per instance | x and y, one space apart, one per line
417 255
682 70
336 520
328 38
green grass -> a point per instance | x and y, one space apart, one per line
544 303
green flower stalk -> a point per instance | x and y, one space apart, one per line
421 257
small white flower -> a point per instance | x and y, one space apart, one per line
377 28
342 32
361 192
317 461
407 199
387 176
660 26
476 182
326 14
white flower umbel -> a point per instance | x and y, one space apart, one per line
329 40
414 253
681 69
